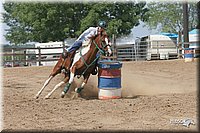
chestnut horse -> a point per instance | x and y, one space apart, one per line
83 64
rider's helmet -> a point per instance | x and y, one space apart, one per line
102 24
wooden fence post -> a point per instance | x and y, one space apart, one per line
180 44
63 45
39 56
157 50
25 63
12 57
134 47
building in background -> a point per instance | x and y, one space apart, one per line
158 46
194 37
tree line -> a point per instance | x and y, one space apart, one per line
44 22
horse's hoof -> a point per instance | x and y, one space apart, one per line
36 97
62 95
47 97
75 96
78 90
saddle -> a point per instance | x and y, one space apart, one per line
69 57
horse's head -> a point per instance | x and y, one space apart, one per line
104 42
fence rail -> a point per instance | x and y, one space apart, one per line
130 52
15 56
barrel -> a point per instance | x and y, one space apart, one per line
189 54
109 79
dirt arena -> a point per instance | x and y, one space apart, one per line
156 95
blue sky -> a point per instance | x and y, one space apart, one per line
136 32
2 26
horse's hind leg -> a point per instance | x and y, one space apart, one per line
56 70
56 87
45 84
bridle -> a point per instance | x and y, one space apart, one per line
103 44
97 57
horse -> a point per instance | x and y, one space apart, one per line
83 64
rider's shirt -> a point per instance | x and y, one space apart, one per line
92 31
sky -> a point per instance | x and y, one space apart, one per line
2 26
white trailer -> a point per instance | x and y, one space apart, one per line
160 47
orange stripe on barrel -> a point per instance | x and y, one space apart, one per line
109 97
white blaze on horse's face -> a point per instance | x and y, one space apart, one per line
108 46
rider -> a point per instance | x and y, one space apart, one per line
91 31
85 36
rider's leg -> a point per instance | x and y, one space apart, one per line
74 47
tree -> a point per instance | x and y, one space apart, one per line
121 17
198 12
43 22
170 16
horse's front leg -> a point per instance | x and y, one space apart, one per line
78 90
86 77
72 73
57 86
